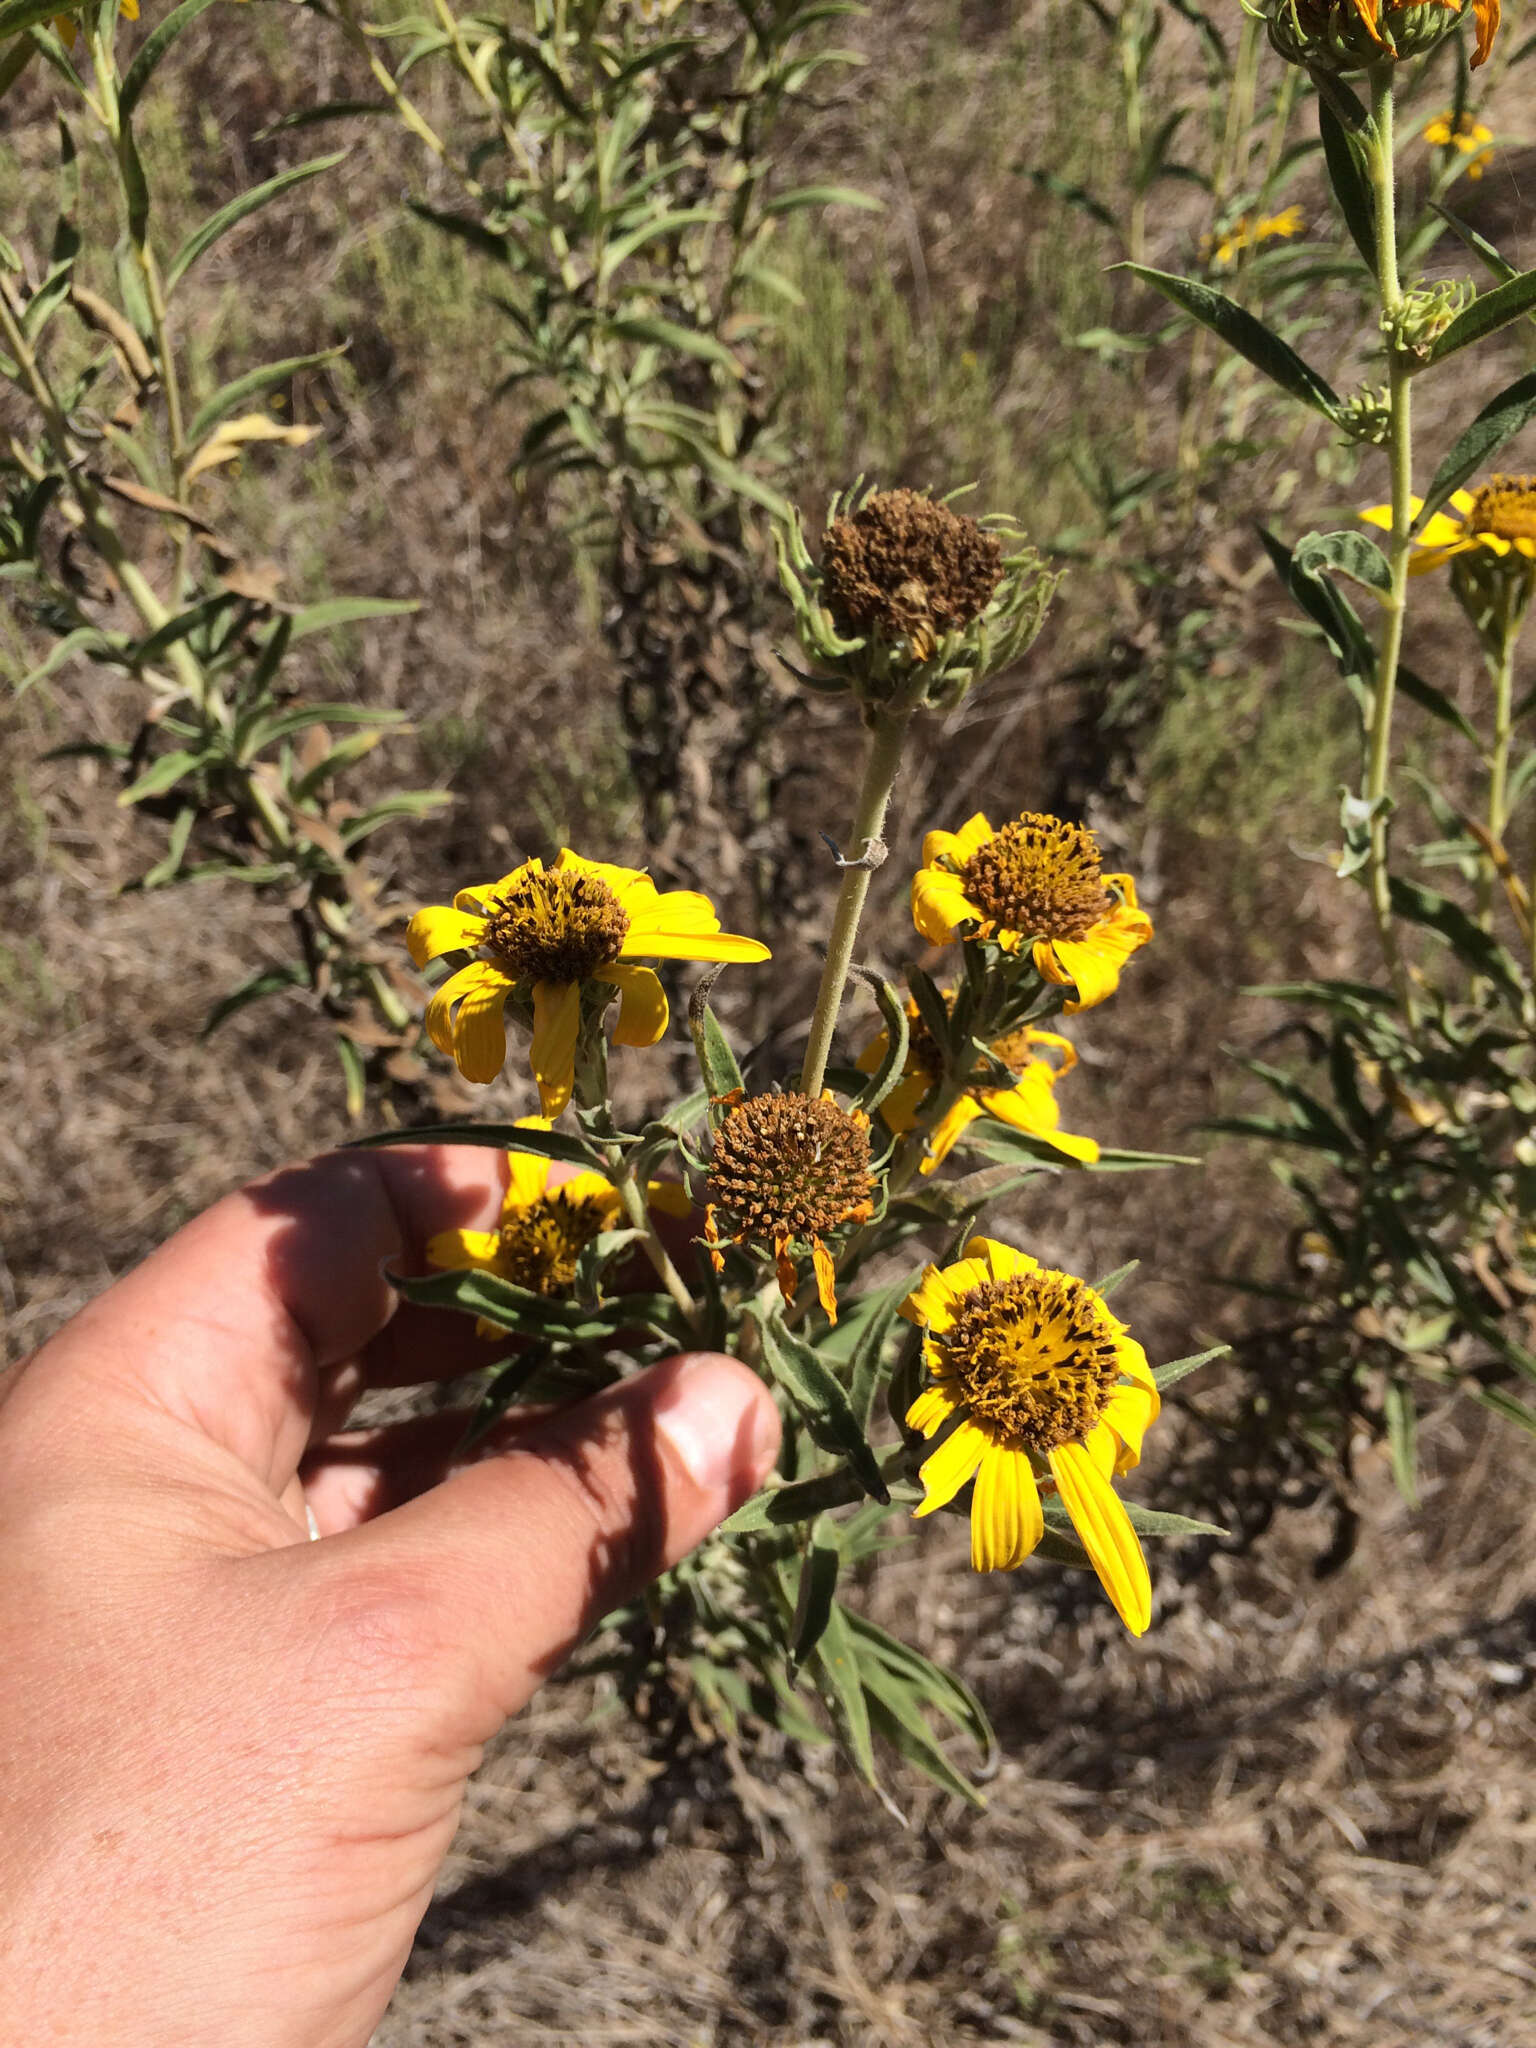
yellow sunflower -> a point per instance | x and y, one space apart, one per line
1248 233
1468 134
543 1230
1043 1385
1499 518
543 932
1028 1103
1035 881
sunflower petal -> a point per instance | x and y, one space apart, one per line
552 1055
1099 1517
1006 1517
826 1278
690 945
957 846
931 1302
951 1466
480 1031
1129 1413
456 1250
436 929
1093 963
939 905
947 1132
642 1004
478 976
997 1261
668 1198
527 1177
931 1410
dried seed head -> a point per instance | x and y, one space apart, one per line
909 569
554 925
1035 1356
1040 876
1505 506
788 1167
541 1244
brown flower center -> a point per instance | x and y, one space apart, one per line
1016 1049
1039 876
1505 506
909 568
788 1166
541 1244
554 925
1035 1357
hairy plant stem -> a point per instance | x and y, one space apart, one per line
887 735
591 1094
1399 547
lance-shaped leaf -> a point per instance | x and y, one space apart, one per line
561 1145
893 1013
1346 151
218 224
1178 1369
820 1398
814 1595
526 1314
1486 315
717 1063
869 1351
835 1669
1467 939
241 390
1499 421
1241 331
1328 608
151 50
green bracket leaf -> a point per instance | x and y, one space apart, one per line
820 1398
1499 421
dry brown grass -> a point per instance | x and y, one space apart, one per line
1299 1811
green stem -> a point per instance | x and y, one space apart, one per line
888 732
592 1095
1400 545
1498 760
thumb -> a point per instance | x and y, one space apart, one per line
520 1554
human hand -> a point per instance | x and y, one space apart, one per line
233 1757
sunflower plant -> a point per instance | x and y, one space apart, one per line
820 1222
1407 1138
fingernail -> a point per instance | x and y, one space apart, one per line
721 1421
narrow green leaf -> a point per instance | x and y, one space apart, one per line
524 1313
167 868
561 1145
219 224
820 1398
895 1715
268 981
1347 155
348 611
1180 1368
824 195
1487 314
717 1063
655 332
893 1013
151 50
943 1690
813 1599
869 1351
1402 1439
1436 703
88 640
1472 945
1499 421
162 775
1152 1522
1506 1405
781 1507
1248 336
835 1668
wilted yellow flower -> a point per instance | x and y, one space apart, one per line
1028 1103
787 1171
1498 518
1035 1372
1351 34
1035 881
543 1230
1469 135
1248 233
543 932
909 570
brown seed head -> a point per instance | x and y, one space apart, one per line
909 569
1506 506
786 1166
541 1244
1039 876
1035 1357
555 925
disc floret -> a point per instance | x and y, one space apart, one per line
787 1171
908 569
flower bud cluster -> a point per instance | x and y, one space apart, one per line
1421 316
